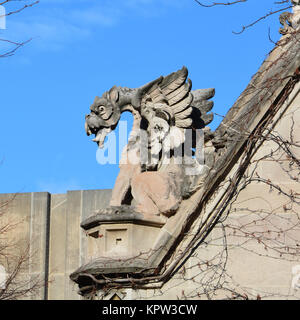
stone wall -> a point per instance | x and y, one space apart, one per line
50 223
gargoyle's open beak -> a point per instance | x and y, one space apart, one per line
98 127
101 135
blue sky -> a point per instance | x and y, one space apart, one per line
81 48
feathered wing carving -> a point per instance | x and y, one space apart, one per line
169 106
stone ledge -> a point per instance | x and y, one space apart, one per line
111 266
117 215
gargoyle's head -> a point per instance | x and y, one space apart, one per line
104 116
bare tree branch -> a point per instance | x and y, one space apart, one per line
261 18
16 257
219 3
20 9
15 45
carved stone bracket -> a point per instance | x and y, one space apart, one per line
120 240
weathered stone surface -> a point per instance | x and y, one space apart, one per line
120 240
101 268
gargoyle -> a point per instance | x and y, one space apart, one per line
151 179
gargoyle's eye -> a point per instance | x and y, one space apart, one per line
101 108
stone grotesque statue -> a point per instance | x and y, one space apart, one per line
152 179
290 21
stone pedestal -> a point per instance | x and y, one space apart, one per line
120 241
124 235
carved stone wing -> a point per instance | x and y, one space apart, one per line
169 106
170 99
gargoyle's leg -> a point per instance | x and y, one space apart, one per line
153 193
123 183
